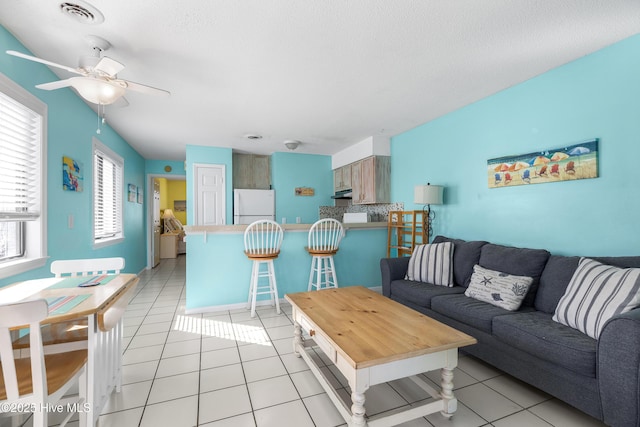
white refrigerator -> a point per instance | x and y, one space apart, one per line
252 205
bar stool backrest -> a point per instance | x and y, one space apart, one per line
263 238
87 267
325 235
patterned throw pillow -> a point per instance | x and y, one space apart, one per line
596 293
432 264
500 289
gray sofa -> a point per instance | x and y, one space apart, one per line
600 377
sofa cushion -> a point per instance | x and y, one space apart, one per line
558 272
537 334
517 261
467 310
420 293
553 282
432 263
596 293
500 289
465 256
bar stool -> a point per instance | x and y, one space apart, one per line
324 238
262 240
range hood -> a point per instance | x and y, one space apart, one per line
344 194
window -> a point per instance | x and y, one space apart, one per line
23 130
107 195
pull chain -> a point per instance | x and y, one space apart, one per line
101 120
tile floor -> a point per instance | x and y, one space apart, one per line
226 369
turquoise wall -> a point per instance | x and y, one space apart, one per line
71 126
291 170
597 96
219 273
156 167
288 171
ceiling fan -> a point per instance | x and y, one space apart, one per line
98 82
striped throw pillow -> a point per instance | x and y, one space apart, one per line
432 263
596 293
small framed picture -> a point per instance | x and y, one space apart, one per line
72 175
132 193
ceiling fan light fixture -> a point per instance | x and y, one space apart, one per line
98 91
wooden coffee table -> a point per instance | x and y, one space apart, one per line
372 339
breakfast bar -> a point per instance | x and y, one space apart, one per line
218 272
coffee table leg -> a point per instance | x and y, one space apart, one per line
357 409
450 402
297 338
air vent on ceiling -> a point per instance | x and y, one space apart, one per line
82 12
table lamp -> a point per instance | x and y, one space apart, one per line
167 216
428 195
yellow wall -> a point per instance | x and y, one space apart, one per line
164 202
177 190
170 191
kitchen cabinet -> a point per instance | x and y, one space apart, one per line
251 171
370 179
342 178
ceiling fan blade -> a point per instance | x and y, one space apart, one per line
120 103
56 85
109 66
44 61
138 87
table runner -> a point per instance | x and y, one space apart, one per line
63 304
72 282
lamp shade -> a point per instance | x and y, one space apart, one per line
428 194
168 213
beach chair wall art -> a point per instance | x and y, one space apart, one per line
577 161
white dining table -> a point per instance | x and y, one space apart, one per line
103 307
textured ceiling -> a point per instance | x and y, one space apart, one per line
328 73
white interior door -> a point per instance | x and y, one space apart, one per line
210 194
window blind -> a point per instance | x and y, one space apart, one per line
20 133
107 195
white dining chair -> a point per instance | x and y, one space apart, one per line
323 243
262 241
87 266
40 380
73 330
74 334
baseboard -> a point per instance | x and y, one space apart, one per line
243 305
229 307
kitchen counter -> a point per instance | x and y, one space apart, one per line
202 229
218 271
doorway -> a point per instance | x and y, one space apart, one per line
170 189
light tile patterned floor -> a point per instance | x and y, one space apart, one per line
226 369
